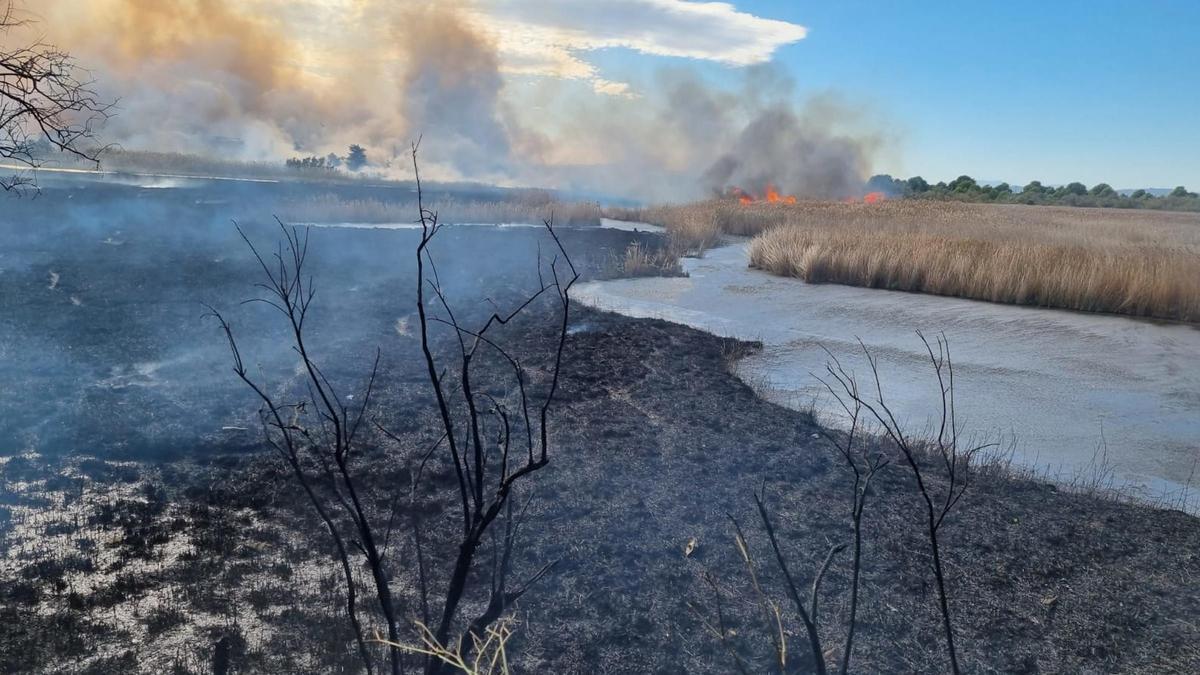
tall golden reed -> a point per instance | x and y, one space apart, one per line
1139 263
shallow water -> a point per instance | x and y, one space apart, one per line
1072 390
605 223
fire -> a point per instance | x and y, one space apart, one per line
771 196
869 198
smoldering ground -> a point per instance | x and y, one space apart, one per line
112 565
103 289
259 81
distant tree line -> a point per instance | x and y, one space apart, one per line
327 163
354 160
965 188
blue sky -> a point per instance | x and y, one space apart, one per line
1019 90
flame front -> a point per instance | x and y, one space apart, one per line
869 198
740 195
771 195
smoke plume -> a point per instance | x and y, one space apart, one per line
267 79
452 89
801 156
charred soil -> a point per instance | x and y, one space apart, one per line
158 566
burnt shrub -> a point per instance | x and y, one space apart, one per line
163 619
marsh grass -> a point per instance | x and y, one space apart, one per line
644 261
1124 262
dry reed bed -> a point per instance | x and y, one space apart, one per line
1126 262
330 208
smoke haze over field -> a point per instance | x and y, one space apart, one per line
501 91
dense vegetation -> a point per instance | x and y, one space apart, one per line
1114 261
965 188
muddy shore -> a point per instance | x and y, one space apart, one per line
145 566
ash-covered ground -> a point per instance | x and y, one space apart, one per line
144 527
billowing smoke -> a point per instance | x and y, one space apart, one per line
451 87
686 138
806 158
192 74
267 79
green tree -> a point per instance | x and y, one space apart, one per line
917 185
1075 189
357 158
1140 194
1034 188
1180 192
964 184
1103 190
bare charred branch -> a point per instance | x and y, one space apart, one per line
864 465
46 102
321 440
283 438
951 459
484 494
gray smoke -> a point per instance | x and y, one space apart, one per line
797 156
225 78
452 90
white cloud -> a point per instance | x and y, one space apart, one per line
547 37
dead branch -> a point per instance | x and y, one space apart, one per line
864 465
484 494
46 102
951 459
287 440
320 440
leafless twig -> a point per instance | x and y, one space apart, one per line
46 102
951 457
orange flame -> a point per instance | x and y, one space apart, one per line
869 198
741 195
772 196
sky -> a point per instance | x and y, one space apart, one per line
1105 90
649 97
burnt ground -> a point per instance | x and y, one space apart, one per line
119 562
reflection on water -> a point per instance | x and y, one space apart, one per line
1060 382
